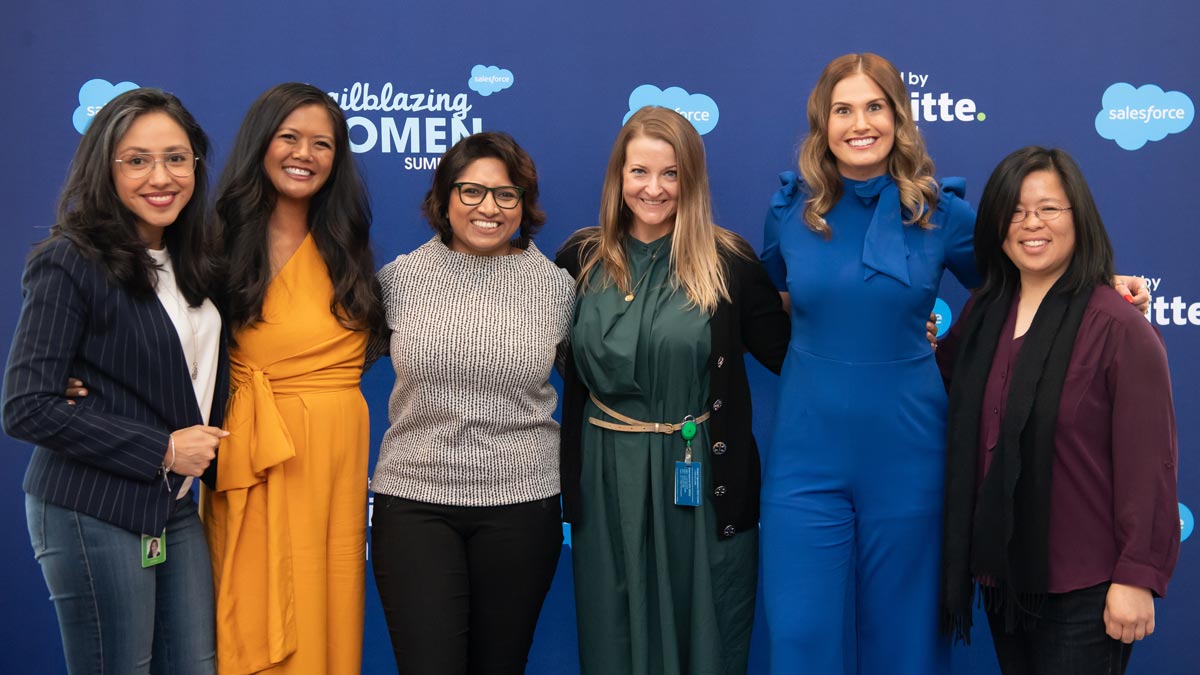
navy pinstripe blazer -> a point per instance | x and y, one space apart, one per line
102 456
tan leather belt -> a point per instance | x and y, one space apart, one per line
636 426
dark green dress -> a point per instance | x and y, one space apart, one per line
655 591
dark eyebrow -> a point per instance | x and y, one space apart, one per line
874 100
294 130
173 148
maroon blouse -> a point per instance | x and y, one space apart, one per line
1114 513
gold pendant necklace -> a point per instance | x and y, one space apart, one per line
187 315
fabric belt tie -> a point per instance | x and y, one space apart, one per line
636 426
250 527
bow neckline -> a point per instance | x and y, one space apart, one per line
884 249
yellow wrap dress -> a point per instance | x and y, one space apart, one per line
286 524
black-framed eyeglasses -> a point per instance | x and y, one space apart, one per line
473 194
140 164
1044 213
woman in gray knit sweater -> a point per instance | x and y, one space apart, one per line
467 525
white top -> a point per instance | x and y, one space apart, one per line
474 340
199 330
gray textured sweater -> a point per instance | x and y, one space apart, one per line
474 340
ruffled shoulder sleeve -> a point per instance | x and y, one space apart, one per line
792 188
956 219
955 186
787 199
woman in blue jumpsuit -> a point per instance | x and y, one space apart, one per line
852 484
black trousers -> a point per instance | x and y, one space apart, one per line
1069 639
461 586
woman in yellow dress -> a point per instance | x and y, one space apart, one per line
286 523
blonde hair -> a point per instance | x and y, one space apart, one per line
908 163
695 260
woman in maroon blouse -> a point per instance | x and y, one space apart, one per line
1060 489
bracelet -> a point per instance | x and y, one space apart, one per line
167 467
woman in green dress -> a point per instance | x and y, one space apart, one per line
664 512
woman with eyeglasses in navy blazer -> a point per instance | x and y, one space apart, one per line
119 296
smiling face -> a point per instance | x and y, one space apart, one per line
861 127
650 187
157 197
300 155
1041 250
485 228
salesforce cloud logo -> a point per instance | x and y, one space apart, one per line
1187 522
92 97
699 109
1131 117
488 80
944 316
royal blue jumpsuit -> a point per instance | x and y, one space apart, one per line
852 481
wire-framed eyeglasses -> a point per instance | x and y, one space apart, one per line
1044 213
137 165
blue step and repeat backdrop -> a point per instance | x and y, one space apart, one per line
1113 83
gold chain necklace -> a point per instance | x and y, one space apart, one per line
653 256
187 315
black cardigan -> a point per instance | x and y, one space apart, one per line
753 320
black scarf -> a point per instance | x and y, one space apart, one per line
1003 532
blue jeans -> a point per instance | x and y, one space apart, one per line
1069 638
115 616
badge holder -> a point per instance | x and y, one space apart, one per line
688 476
154 550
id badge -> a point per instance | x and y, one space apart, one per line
154 550
688 479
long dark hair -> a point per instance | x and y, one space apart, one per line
339 216
1091 263
92 216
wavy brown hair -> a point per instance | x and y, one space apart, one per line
908 163
695 257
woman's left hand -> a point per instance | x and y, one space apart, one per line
931 331
1134 290
1128 613
75 389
